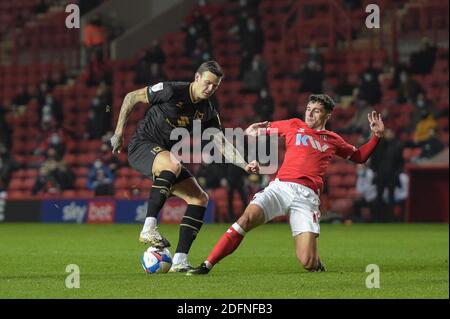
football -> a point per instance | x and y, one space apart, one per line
156 260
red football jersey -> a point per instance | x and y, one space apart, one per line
308 152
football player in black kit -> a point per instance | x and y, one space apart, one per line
174 105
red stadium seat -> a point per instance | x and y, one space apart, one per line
84 193
81 183
69 194
16 184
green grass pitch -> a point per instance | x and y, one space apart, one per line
412 258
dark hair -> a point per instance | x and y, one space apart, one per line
211 66
323 99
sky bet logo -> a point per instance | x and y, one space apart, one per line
303 139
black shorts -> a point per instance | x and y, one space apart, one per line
141 155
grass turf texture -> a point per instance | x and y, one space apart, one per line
413 262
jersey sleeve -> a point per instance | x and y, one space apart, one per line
344 149
159 93
279 127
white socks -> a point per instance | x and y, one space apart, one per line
150 223
238 228
179 258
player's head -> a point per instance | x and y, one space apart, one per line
207 79
318 111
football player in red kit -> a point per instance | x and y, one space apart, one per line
296 189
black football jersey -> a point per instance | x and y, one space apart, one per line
171 107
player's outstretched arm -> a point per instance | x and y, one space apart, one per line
233 155
130 100
376 124
362 154
257 129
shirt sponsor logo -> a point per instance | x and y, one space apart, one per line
308 141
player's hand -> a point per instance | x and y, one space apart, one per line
376 123
116 143
256 128
252 168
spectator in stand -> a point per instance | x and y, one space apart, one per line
157 73
399 68
264 106
20 101
42 92
211 176
387 163
358 123
430 147
368 194
424 127
422 61
97 71
255 76
311 77
96 45
51 179
422 104
64 177
7 165
44 183
56 141
95 38
145 68
201 53
313 54
408 89
50 110
249 7
102 114
190 41
201 25
351 4
41 7
100 177
343 87
401 192
236 182
369 87
5 136
252 41
109 159
58 77
156 53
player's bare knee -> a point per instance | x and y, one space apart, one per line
250 219
201 199
244 221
